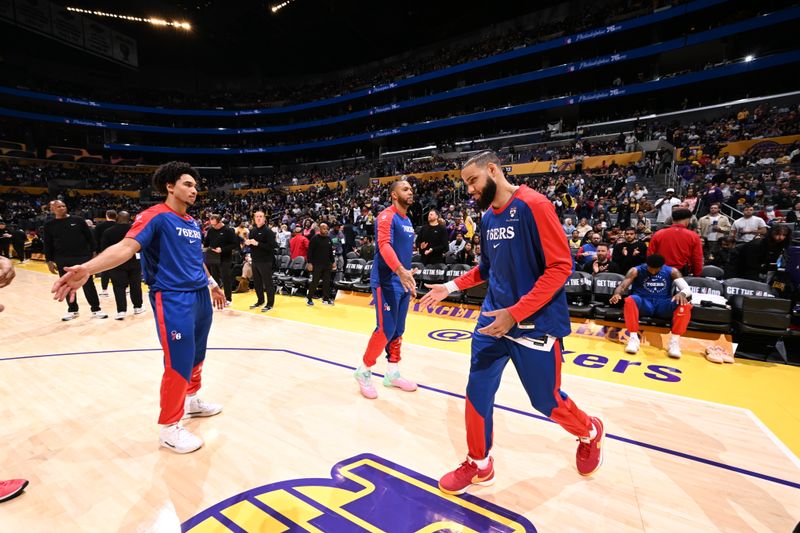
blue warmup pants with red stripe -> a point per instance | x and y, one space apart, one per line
540 374
183 320
391 308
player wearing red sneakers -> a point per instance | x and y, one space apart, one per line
172 263
10 488
526 261
393 286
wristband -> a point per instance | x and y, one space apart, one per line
212 284
451 286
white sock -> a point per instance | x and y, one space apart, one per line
592 434
676 338
481 463
392 368
634 336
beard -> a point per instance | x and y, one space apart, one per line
487 194
405 202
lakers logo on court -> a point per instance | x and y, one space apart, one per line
450 335
364 492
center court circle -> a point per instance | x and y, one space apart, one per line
450 335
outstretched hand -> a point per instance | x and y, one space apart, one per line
67 285
436 294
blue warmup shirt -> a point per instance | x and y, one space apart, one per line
172 250
658 286
394 235
527 261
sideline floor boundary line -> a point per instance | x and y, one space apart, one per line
634 442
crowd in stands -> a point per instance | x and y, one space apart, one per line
737 205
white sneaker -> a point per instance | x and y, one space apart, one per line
195 407
139 310
120 316
99 314
69 316
633 344
674 348
228 303
179 439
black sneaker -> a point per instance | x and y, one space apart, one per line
257 304
266 308
309 302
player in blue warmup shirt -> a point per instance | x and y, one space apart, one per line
393 286
526 261
172 264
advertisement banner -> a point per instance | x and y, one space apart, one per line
97 38
67 26
125 50
34 14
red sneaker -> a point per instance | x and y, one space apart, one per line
590 454
457 481
12 488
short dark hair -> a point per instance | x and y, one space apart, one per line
482 159
215 217
745 206
631 228
655 261
681 213
394 185
170 173
111 214
603 244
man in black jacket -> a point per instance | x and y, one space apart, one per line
128 274
432 240
321 263
630 253
68 242
221 241
262 244
111 219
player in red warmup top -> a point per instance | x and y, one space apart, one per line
172 264
393 286
526 261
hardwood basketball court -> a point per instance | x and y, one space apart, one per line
304 452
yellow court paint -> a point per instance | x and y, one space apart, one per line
769 390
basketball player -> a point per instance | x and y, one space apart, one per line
172 262
652 296
10 488
526 261
393 285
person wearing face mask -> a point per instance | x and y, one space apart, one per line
771 216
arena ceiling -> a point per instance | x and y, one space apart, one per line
305 35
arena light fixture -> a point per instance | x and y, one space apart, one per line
748 58
155 21
277 7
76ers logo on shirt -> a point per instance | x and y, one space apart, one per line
175 335
512 213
